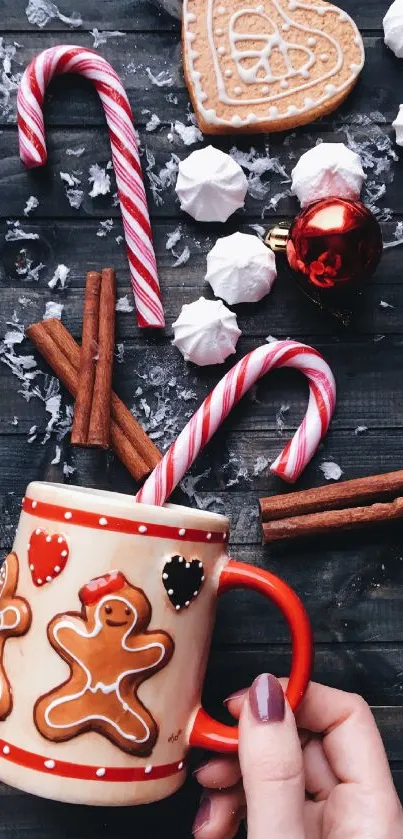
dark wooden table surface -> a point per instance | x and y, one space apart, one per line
350 584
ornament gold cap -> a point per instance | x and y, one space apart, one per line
278 236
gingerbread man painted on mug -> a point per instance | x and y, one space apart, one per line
110 653
15 619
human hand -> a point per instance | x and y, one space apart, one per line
321 775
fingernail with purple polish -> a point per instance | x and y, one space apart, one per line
203 814
237 695
266 699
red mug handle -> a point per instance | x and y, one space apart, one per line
207 732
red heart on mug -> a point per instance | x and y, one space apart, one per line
47 556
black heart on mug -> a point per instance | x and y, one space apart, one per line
182 580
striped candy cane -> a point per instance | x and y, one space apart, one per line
125 156
298 452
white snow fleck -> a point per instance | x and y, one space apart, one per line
70 180
59 277
101 37
361 429
100 180
261 231
9 80
164 179
40 12
118 240
56 459
183 257
260 465
123 304
146 407
153 122
173 238
25 268
53 310
162 79
258 168
332 471
31 205
16 232
378 338
384 305
52 407
280 416
189 134
68 470
13 337
105 227
77 152
75 198
271 339
120 353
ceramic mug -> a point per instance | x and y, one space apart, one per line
106 613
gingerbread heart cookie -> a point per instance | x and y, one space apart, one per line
267 65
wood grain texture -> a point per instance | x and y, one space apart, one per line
350 584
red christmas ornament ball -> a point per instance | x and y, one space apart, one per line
335 243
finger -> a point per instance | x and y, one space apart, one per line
271 762
313 819
235 701
220 814
351 740
219 773
320 779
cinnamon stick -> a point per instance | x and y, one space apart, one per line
334 496
132 430
135 434
89 350
129 440
314 524
100 420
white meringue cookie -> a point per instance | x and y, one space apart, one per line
210 185
398 126
240 268
329 169
393 28
206 332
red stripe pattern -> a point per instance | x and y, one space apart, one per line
125 156
86 772
298 452
98 521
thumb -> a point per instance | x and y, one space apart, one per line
271 761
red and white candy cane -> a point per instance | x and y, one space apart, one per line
125 155
199 430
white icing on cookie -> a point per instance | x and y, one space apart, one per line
254 65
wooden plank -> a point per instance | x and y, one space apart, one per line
286 311
358 669
373 401
160 152
145 15
29 817
109 15
75 242
72 103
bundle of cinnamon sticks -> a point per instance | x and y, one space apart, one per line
326 509
100 417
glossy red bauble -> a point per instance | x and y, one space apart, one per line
334 243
